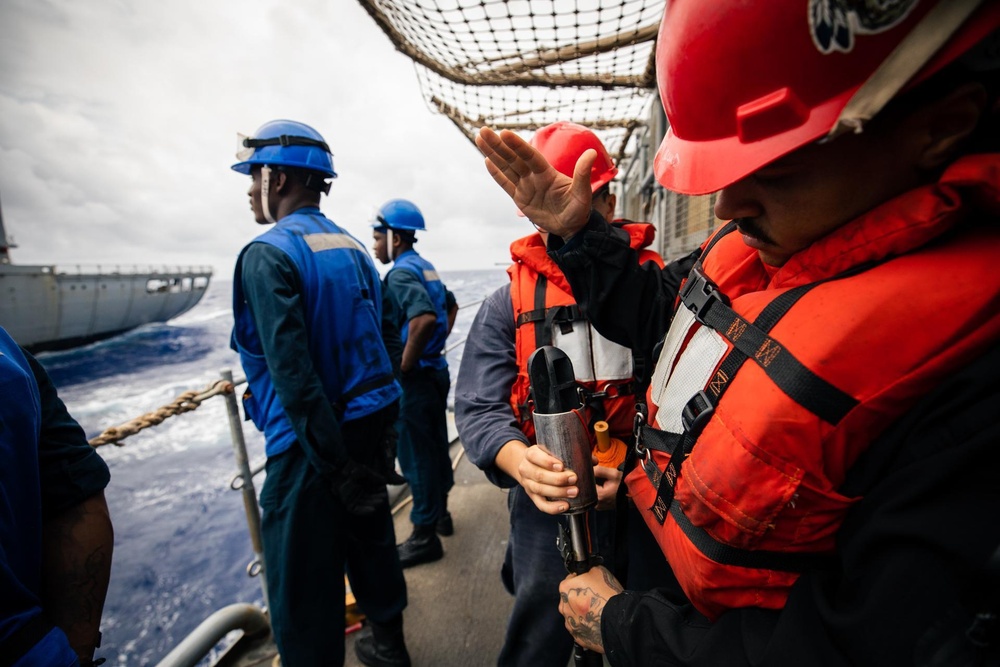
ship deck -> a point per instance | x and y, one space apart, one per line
458 607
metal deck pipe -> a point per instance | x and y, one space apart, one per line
252 509
246 617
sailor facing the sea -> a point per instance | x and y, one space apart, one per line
307 305
425 312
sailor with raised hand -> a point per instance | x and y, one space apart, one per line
307 304
493 407
824 403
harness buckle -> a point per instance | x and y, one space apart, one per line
696 413
699 293
637 422
609 390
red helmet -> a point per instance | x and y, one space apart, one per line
744 83
563 143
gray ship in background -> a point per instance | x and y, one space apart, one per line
45 307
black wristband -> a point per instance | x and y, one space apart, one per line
92 662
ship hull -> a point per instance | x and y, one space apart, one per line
43 309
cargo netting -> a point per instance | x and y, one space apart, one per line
522 64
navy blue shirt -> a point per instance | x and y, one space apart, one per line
273 291
409 297
483 414
46 467
405 297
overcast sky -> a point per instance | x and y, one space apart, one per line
118 122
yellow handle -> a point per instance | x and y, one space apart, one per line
610 451
603 437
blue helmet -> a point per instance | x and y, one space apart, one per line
399 214
285 143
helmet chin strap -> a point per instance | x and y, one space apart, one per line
909 56
265 185
388 244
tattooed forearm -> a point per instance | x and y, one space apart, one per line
78 545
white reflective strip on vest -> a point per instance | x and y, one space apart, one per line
674 384
320 242
431 276
594 357
612 362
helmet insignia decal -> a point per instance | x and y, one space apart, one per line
834 23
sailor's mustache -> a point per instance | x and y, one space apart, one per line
749 227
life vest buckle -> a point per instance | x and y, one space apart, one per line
696 413
699 293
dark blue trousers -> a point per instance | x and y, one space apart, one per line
309 543
536 632
423 442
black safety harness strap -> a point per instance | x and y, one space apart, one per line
750 341
724 554
699 409
545 318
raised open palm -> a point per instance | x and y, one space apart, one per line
551 200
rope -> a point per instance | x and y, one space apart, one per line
186 402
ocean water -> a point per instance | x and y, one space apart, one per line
181 540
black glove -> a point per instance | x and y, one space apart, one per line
389 440
385 463
360 488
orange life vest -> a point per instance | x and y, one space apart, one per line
838 343
546 313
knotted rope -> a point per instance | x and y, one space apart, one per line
186 402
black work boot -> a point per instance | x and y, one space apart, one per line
444 525
382 644
393 478
422 546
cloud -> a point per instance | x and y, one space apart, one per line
119 124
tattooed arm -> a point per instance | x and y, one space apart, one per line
77 536
581 601
76 567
